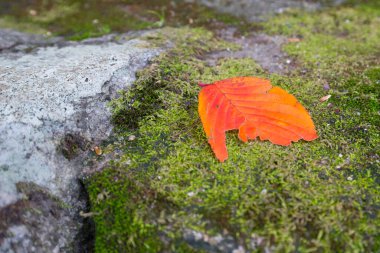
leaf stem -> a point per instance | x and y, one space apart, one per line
204 84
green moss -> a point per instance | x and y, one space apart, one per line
319 196
135 115
334 43
120 224
133 106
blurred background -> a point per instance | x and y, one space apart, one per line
80 19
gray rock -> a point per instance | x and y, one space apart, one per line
14 40
36 223
264 49
258 10
217 243
53 101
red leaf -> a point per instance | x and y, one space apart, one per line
251 105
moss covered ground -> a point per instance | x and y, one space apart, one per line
320 196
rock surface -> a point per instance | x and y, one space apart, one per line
264 49
257 10
15 41
53 101
37 223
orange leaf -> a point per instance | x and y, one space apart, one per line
257 109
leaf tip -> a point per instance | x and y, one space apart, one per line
222 159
